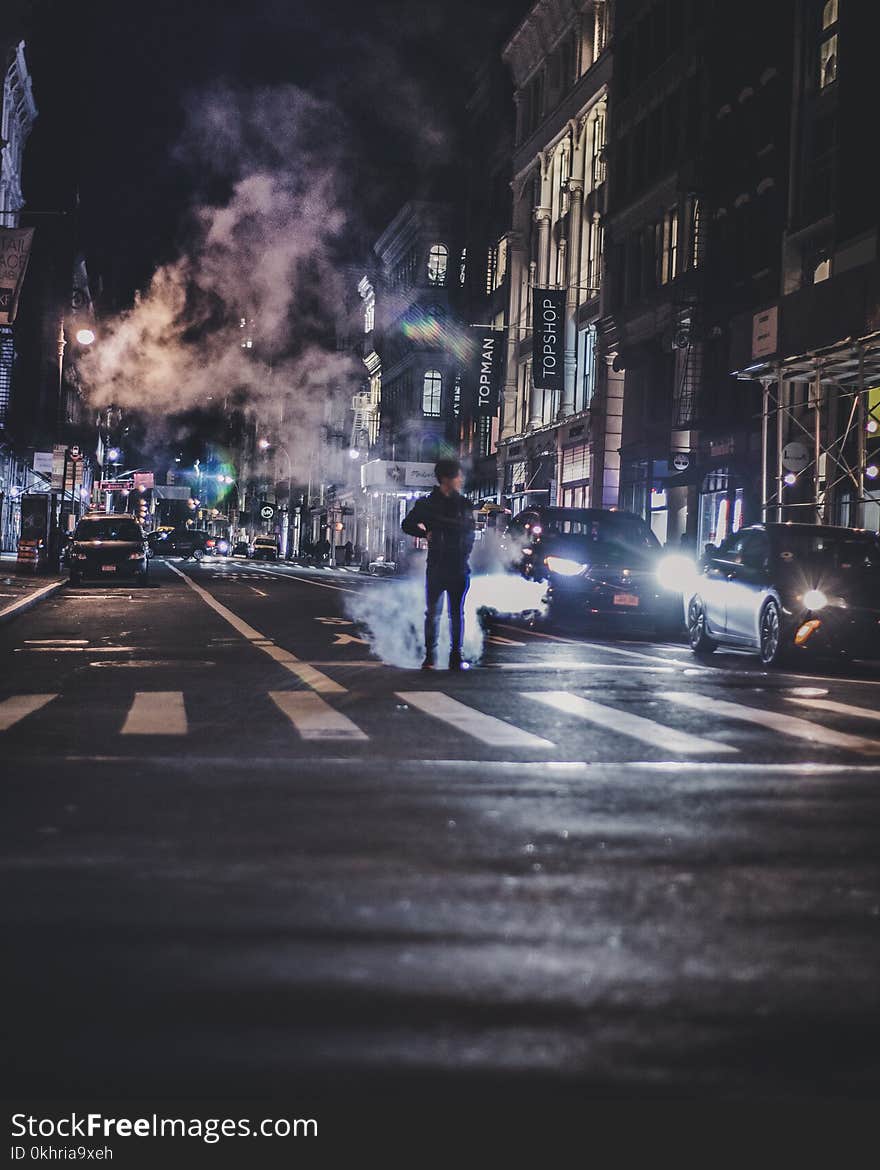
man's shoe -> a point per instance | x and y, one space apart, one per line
429 663
456 662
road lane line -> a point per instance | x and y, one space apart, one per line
625 723
835 707
19 706
313 718
305 580
156 713
315 679
602 647
775 721
486 728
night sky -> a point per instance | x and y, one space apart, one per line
112 80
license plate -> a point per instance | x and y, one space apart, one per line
108 568
630 599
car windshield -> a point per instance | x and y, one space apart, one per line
113 528
602 528
828 549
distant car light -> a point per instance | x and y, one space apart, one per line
565 568
537 530
223 545
815 599
675 573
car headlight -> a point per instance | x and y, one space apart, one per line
675 573
223 546
565 568
815 599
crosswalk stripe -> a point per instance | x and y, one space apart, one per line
836 708
314 718
19 706
625 723
485 728
156 713
776 721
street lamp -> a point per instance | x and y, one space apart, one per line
85 336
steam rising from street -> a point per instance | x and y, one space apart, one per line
260 249
392 615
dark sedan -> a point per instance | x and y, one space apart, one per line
182 542
109 547
788 591
607 568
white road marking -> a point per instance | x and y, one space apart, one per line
774 721
308 674
486 728
56 642
835 707
156 713
313 718
19 706
259 592
307 581
625 723
600 646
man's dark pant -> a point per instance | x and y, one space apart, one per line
455 587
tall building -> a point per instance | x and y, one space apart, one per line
18 112
813 345
560 433
415 353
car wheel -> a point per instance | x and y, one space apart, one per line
198 554
771 635
699 640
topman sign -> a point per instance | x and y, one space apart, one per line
548 338
487 372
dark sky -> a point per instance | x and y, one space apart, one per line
112 79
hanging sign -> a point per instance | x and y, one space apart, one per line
548 338
15 249
487 370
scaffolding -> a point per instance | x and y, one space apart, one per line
818 411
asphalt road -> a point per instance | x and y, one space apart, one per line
241 855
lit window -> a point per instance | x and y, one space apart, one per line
432 388
828 61
438 260
828 44
670 247
822 270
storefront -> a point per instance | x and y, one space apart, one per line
387 493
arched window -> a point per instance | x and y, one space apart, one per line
432 389
828 43
830 13
438 261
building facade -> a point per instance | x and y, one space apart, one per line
559 445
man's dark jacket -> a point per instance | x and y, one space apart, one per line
450 521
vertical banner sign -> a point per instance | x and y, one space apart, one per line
548 338
488 344
15 249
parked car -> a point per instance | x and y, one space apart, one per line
182 542
789 591
108 547
241 548
606 568
265 548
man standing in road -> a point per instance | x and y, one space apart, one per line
445 519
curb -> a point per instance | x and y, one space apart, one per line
26 603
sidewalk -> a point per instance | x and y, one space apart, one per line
21 588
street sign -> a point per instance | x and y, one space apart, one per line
114 485
267 512
74 453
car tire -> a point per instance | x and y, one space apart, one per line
198 554
699 640
771 636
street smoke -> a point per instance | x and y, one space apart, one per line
392 615
244 317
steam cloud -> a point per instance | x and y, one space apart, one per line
263 244
392 615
